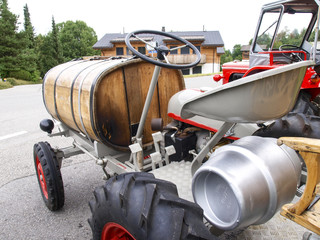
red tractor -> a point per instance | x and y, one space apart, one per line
285 34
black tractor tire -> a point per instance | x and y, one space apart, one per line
305 105
292 125
139 206
49 176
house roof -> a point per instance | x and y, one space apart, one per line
245 48
208 38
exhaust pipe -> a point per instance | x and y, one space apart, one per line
246 182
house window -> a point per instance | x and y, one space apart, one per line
185 71
142 50
185 50
197 47
174 51
119 51
197 70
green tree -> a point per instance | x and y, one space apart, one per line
49 50
45 54
226 57
57 54
236 52
28 28
10 40
76 39
312 36
17 56
27 59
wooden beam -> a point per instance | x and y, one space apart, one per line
309 150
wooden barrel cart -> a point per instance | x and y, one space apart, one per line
104 99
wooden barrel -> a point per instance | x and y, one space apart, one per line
104 99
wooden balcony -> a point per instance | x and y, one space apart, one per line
185 58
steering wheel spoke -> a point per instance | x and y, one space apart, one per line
140 39
165 58
176 48
162 50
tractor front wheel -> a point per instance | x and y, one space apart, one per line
49 176
136 206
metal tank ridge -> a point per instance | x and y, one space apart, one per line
103 98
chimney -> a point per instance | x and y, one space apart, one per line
163 29
203 29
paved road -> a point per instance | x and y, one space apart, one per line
23 214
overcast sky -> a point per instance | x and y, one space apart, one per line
235 19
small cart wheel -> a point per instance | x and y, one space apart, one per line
49 176
136 206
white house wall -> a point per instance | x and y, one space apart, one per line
210 68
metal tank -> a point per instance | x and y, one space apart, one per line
246 182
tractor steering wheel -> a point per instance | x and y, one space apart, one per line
293 56
162 50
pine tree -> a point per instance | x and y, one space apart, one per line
49 50
56 43
28 28
27 57
10 44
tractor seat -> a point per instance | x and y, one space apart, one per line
257 98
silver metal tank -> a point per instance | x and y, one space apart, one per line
245 183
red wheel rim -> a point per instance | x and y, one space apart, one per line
41 178
114 231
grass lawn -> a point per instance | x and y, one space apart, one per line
200 75
15 82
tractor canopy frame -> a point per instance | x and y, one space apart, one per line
271 23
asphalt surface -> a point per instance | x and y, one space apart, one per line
23 214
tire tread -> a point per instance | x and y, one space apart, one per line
150 209
52 175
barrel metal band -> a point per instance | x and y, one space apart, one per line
55 90
71 91
94 82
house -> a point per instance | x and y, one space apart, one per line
209 43
245 50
